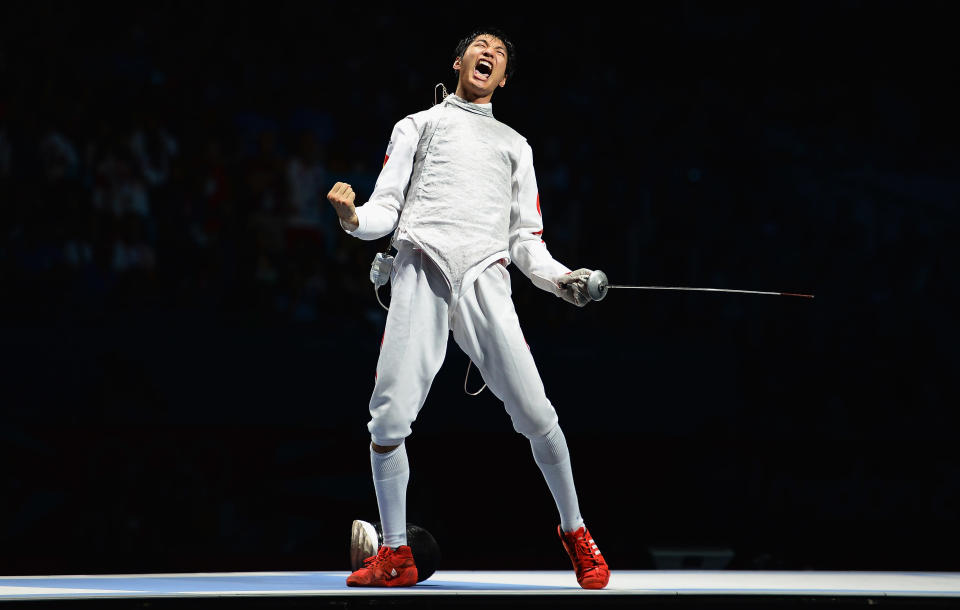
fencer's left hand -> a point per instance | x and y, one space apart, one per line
573 287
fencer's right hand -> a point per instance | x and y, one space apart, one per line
573 287
341 196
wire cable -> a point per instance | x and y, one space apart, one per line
465 379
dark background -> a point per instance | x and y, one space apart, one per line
189 340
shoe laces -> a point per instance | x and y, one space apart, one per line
587 551
379 559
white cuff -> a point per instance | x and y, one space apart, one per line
359 224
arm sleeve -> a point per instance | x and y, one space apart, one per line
527 248
379 216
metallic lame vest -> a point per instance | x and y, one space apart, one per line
457 205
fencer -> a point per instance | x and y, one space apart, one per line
459 192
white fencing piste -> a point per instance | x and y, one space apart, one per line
622 582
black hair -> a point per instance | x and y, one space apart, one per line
497 33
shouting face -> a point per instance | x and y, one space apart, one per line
482 68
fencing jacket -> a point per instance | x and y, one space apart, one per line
460 185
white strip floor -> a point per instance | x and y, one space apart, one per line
658 582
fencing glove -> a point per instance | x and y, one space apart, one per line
573 287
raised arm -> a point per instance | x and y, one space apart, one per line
380 214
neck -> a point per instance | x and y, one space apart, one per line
473 98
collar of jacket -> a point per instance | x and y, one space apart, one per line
484 109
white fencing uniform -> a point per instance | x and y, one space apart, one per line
460 190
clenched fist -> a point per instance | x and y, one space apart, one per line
341 196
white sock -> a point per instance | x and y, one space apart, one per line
391 471
552 456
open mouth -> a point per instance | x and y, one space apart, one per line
483 69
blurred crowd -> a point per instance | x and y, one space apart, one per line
127 210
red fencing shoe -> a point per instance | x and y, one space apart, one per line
591 567
388 568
